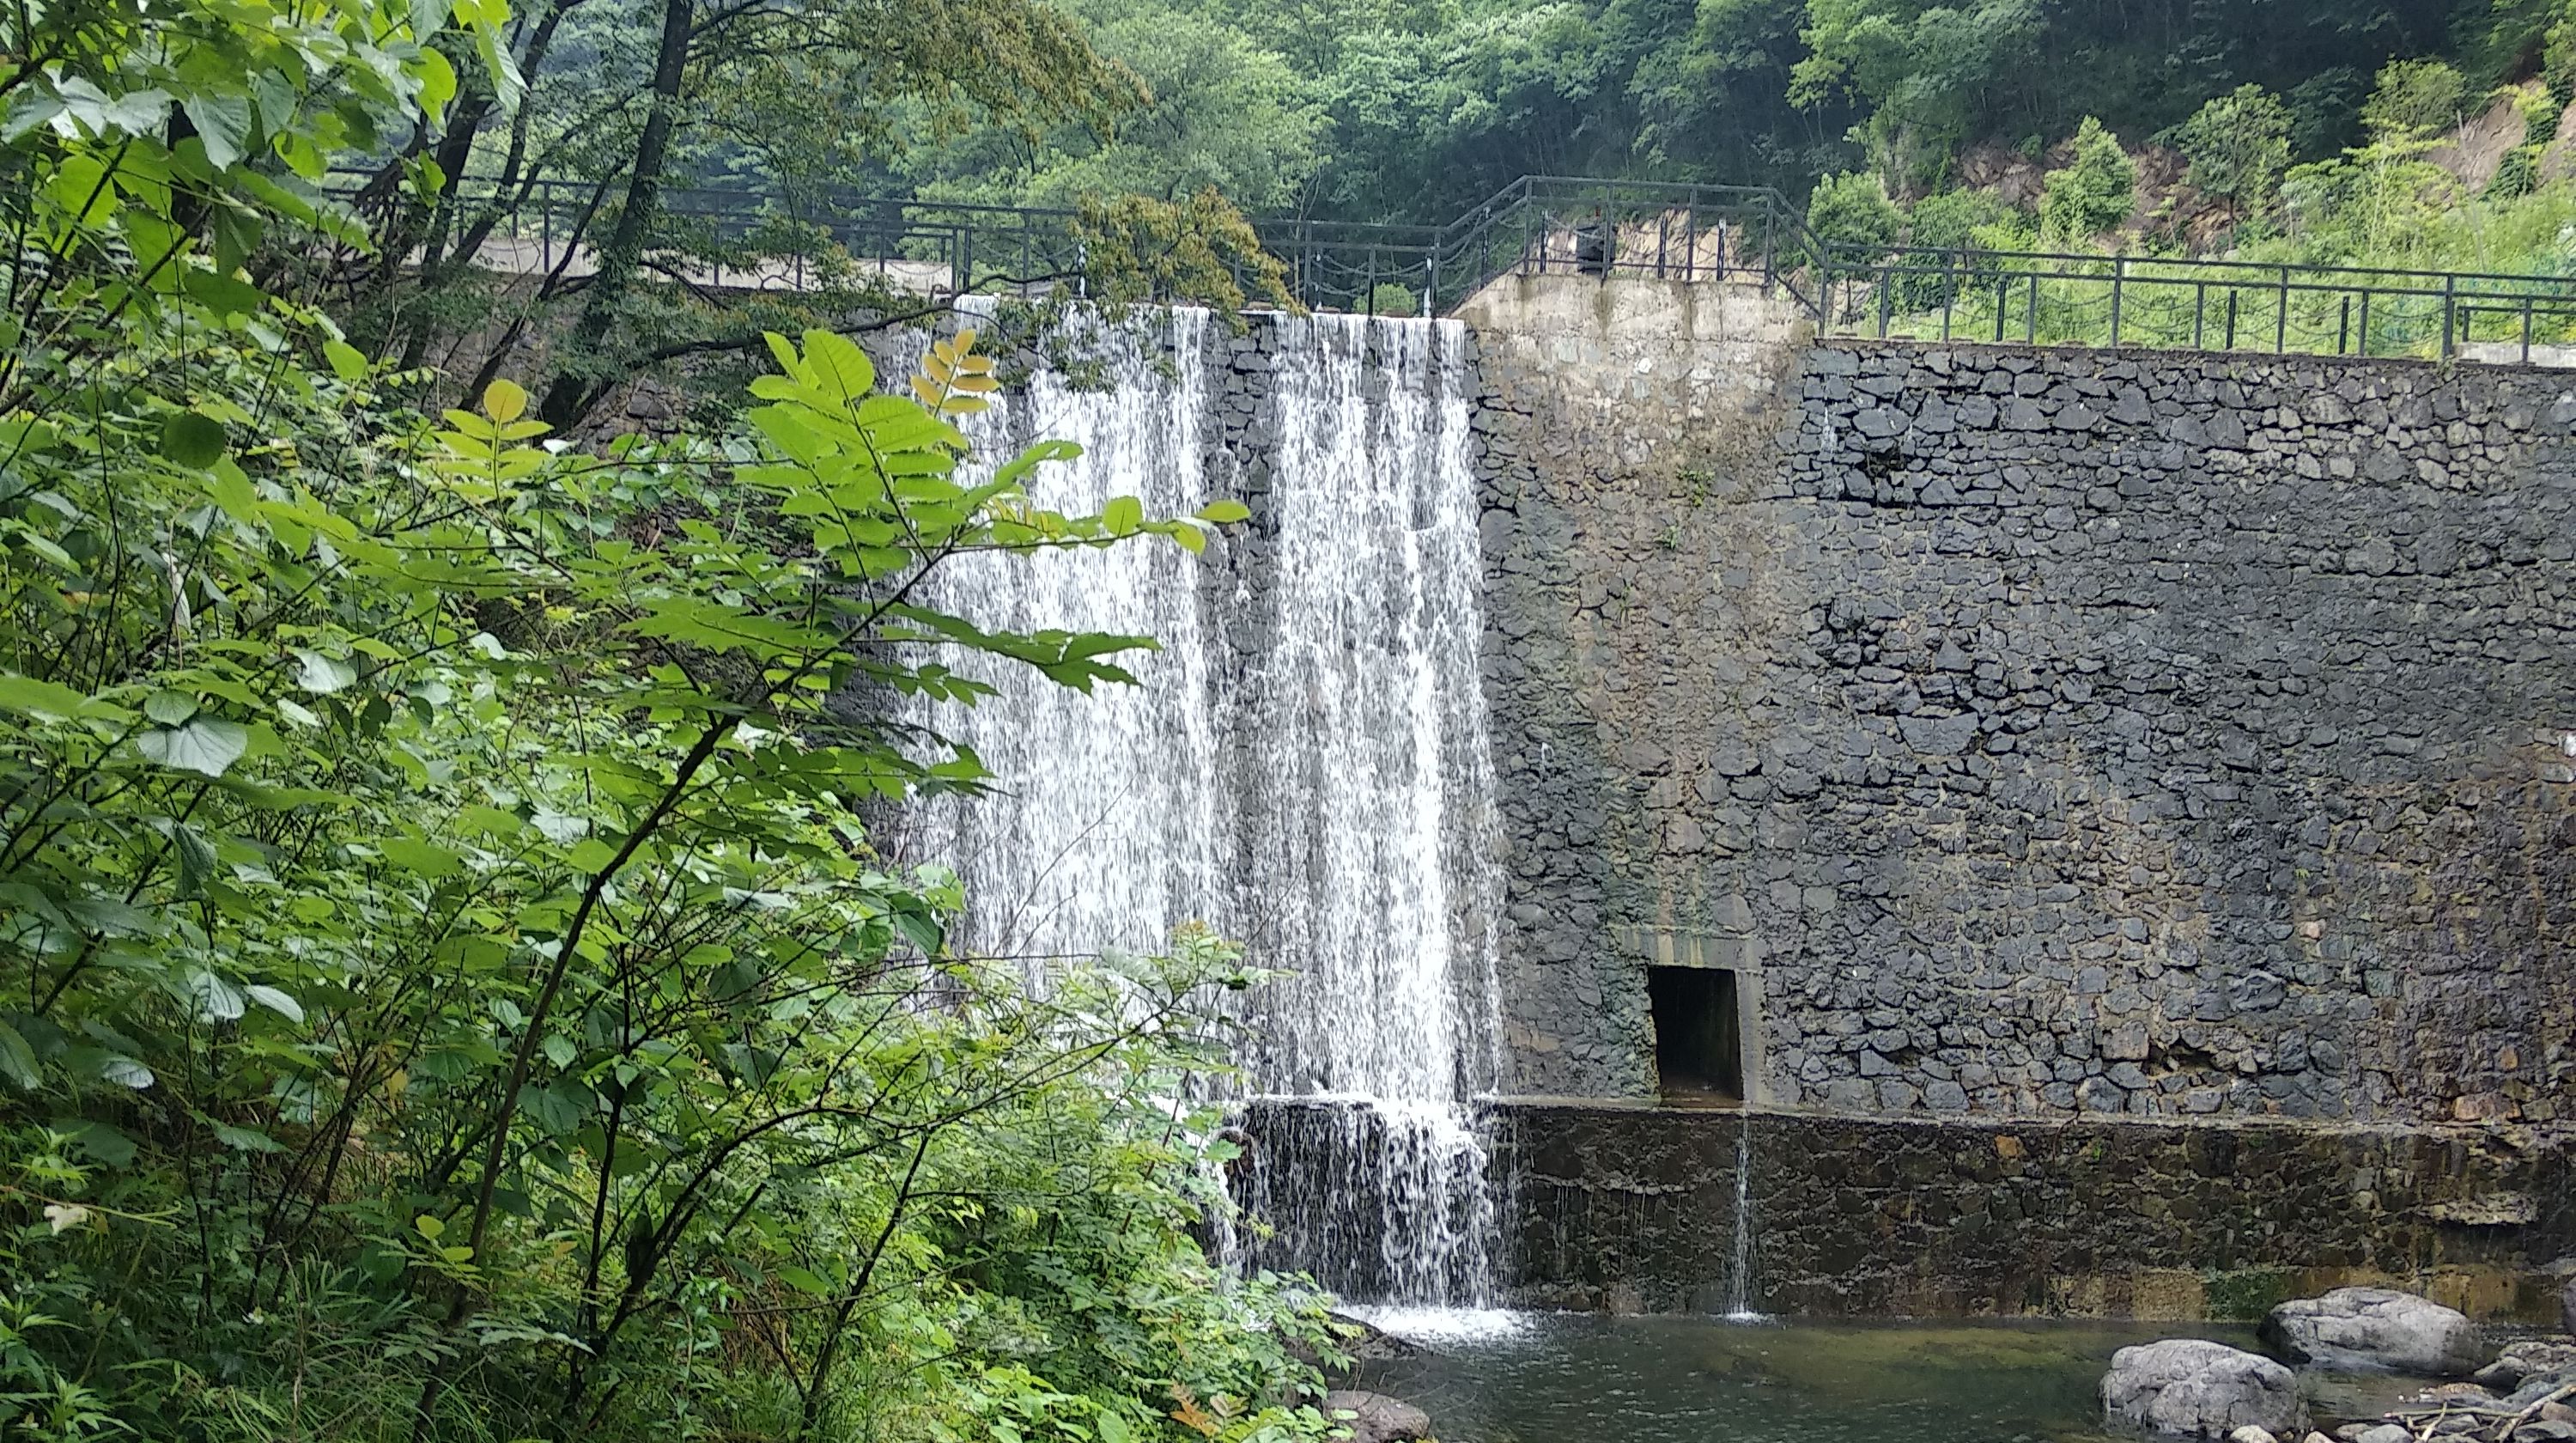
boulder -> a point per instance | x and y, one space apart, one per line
2196 1389
2251 1434
2526 1359
2385 1433
2377 1329
1377 1417
2567 1306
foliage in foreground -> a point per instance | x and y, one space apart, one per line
450 992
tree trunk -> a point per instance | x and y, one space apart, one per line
571 394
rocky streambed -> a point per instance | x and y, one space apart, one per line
2521 1390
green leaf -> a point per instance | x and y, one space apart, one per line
244 1139
40 698
192 440
205 746
804 1282
17 1059
1123 514
347 361
426 858
559 1049
226 294
104 1144
124 1071
1225 511
275 1001
217 999
196 859
323 675
223 123
838 364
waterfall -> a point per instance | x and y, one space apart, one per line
1304 765
1740 1307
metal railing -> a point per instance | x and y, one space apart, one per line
1544 224
740 239
1752 235
2045 298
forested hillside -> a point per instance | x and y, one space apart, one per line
1378 109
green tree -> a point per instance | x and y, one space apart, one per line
1224 113
453 995
2238 147
1853 209
2414 98
1923 71
634 97
2093 192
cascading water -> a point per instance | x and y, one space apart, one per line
1740 1307
1304 764
1107 832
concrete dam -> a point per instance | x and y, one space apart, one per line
1831 827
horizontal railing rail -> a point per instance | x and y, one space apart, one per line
2057 298
1540 225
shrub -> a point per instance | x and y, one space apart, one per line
1389 298
1853 209
2093 193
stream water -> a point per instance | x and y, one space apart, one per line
1554 1378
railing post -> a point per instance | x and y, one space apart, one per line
1949 289
2199 311
2231 320
1771 246
2526 328
1886 296
2450 290
2003 305
1690 240
2030 313
2119 274
2343 328
2281 317
2365 324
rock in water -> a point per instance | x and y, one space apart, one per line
1380 1419
2251 1434
2197 1389
2377 1328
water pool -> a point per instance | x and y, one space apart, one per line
1570 1378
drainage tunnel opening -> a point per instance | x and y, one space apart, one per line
1699 1049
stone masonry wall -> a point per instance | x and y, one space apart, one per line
1630 1210
2042 732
